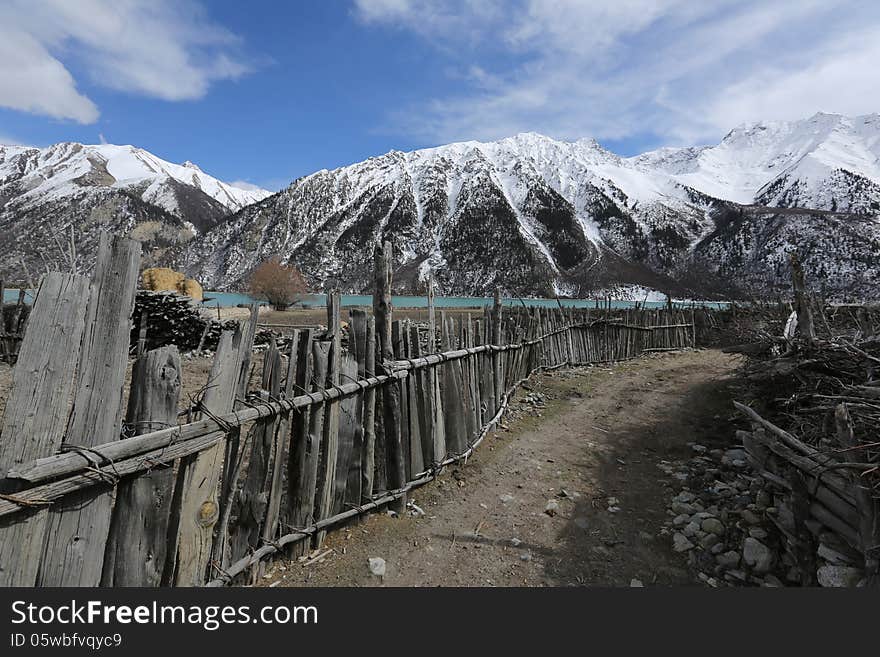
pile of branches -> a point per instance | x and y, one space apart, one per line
814 406
166 318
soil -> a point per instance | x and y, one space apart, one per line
600 433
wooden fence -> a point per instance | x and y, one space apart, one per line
348 420
13 318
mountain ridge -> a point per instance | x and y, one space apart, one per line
578 216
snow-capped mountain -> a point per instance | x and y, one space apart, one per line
46 192
827 162
541 216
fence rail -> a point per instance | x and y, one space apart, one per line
331 432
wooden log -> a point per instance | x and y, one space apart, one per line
330 439
73 553
496 340
198 476
36 412
137 545
391 395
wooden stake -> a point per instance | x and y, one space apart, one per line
137 545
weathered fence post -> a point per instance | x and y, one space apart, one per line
496 356
137 545
305 463
73 554
36 412
330 438
391 394
369 457
199 475
802 303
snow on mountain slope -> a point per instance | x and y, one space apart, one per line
48 195
541 216
780 164
62 169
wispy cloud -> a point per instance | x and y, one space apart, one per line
674 70
167 49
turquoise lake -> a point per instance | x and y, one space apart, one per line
231 299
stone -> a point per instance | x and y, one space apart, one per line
525 557
758 533
757 555
684 496
728 560
680 543
636 583
377 566
581 522
690 530
683 508
838 576
681 520
713 526
506 498
708 541
718 548
551 508
750 517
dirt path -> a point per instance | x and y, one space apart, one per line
601 435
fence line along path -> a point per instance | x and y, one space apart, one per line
345 421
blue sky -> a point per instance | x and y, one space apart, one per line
264 91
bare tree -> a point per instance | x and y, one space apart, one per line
279 284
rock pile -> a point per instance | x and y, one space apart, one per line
721 518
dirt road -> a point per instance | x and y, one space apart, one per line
601 435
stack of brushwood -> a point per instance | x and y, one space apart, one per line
170 318
815 416
13 319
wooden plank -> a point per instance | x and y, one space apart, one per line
299 428
199 475
36 412
391 394
304 470
422 403
136 548
329 455
358 349
282 448
348 468
249 507
369 455
414 417
73 553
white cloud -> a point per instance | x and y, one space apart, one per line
663 70
245 185
159 48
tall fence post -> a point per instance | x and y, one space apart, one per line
36 412
391 394
496 340
330 438
199 475
73 554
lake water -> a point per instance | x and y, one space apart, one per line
232 299
226 299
